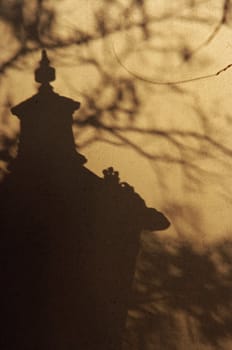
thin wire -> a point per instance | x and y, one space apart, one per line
177 82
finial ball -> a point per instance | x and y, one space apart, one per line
44 73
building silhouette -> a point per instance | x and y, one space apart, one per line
69 237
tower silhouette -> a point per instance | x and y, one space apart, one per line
69 237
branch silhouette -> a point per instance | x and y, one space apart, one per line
123 106
213 34
113 111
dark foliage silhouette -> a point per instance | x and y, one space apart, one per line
182 291
69 237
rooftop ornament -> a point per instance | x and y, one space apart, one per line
70 237
44 74
46 121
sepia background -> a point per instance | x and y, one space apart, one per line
170 141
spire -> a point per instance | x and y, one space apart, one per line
44 73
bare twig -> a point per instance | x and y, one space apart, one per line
215 31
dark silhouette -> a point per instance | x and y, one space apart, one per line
69 237
181 297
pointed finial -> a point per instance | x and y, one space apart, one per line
44 73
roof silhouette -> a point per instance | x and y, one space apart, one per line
70 237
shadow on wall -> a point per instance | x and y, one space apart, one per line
182 297
69 238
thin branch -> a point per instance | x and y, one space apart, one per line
83 38
165 158
99 139
215 31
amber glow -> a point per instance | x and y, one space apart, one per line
172 143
